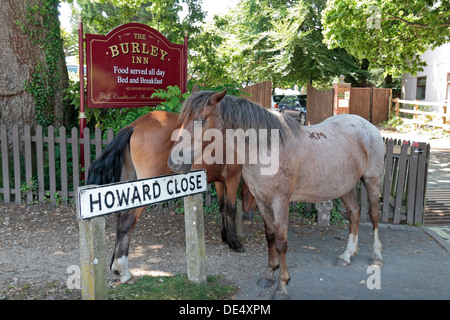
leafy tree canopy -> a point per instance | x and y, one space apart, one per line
391 34
277 40
101 16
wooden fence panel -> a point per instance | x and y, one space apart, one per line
62 139
387 180
260 93
381 103
87 151
360 101
16 161
98 142
402 192
404 183
44 159
422 170
400 183
319 105
75 161
5 164
373 104
51 162
435 115
28 161
412 177
40 163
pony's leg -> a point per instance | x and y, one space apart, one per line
353 212
373 186
228 210
232 184
276 227
248 205
267 277
126 221
220 189
281 221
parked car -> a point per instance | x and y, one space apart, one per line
294 106
276 100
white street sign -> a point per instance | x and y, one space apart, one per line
94 201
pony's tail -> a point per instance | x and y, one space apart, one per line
108 167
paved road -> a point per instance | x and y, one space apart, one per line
416 266
439 170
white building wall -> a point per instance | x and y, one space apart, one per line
438 66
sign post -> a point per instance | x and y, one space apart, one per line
94 284
124 68
93 202
195 238
82 116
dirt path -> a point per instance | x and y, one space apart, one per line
437 141
39 242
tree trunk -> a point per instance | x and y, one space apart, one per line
31 48
388 81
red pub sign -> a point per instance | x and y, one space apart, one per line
126 66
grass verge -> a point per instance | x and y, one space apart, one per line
177 287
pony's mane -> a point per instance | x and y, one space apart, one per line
240 113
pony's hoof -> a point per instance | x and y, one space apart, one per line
277 296
237 246
376 263
265 283
280 294
224 236
341 263
127 279
247 217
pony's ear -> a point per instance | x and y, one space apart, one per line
217 97
195 88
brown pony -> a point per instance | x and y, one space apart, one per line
142 150
307 163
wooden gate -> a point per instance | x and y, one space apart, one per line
381 103
402 195
260 93
360 100
319 105
373 104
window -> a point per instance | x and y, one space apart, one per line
448 86
421 88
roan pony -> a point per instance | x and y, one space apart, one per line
316 163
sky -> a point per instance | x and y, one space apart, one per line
212 7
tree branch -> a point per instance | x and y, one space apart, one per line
414 24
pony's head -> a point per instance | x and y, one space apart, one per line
198 115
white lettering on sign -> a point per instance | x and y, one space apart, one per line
94 201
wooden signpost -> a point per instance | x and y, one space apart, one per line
94 202
124 68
